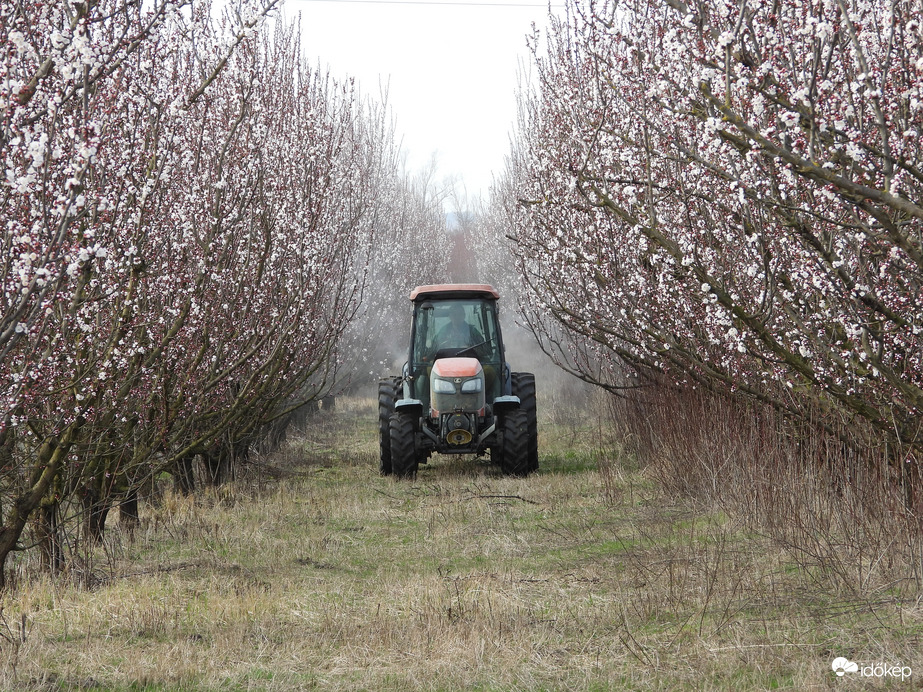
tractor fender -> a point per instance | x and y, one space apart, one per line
409 406
506 403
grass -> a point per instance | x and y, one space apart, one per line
322 575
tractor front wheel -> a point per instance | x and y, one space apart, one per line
514 459
524 387
404 458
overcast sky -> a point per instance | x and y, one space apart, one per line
451 70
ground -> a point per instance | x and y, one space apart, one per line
314 572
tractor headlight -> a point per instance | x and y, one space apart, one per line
472 386
443 386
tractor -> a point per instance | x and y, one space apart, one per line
456 393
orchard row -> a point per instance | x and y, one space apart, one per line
190 218
729 196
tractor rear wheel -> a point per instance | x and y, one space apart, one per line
404 458
514 458
523 386
388 392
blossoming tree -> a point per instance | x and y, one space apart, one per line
729 193
186 211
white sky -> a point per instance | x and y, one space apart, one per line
451 71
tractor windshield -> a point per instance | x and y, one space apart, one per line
459 327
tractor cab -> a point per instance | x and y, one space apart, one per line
458 323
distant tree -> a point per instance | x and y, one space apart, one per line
409 246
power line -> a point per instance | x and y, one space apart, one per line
447 3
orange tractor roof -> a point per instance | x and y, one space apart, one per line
449 289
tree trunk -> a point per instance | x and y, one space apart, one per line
128 512
183 476
96 503
48 534
219 461
48 460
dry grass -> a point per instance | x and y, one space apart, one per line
322 575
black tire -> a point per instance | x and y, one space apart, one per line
388 392
523 386
404 457
514 427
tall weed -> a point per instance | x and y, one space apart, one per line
847 508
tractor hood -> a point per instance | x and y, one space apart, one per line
457 384
457 367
